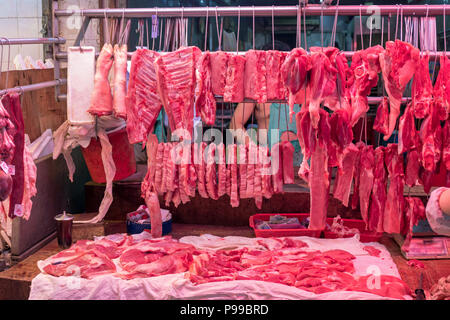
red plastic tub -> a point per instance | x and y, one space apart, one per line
265 233
365 236
122 152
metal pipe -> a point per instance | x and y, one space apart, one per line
348 54
260 11
18 41
35 86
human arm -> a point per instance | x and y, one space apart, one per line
240 117
444 202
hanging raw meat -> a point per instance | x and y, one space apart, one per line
288 162
275 83
315 144
251 161
120 81
101 98
205 103
412 167
341 135
143 104
232 163
363 77
441 90
379 196
343 183
340 100
242 162
398 64
414 212
366 180
257 186
407 134
266 174
422 89
393 212
222 169
277 167
201 170
355 196
176 83
11 103
446 144
319 186
431 137
234 87
321 82
211 172
294 71
219 66
381 123
255 83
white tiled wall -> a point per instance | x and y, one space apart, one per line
21 19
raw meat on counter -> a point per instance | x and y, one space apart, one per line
286 261
101 97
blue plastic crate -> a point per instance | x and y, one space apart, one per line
136 228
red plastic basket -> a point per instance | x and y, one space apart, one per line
365 236
265 233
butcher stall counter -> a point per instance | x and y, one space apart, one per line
15 282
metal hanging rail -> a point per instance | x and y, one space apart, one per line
35 86
62 55
259 11
19 41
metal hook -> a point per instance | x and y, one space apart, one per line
106 27
333 34
239 26
206 27
321 24
273 29
253 7
360 27
9 58
445 35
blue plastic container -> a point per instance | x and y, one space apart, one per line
135 228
